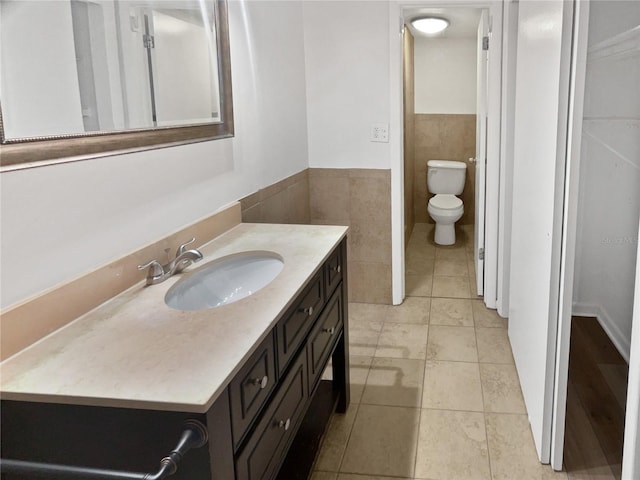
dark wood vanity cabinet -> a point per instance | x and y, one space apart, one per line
251 426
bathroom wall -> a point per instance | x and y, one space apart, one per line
286 201
60 221
445 120
408 91
609 202
358 198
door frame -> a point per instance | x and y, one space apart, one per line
494 156
569 229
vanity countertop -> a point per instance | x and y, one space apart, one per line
136 352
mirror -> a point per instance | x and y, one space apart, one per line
87 77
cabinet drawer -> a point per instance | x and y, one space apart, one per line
262 454
251 387
333 270
292 329
323 337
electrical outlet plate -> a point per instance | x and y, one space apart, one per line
380 132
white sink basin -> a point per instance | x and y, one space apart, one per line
224 281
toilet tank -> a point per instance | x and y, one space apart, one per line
446 176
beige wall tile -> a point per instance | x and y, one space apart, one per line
394 381
298 202
452 386
329 198
452 445
369 282
369 242
275 209
383 441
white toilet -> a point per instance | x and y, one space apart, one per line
446 179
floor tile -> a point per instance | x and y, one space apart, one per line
365 325
394 382
418 285
452 252
485 317
451 311
335 440
452 386
493 345
412 310
452 343
324 476
452 445
353 476
501 389
511 449
383 441
358 372
418 264
455 287
456 266
400 340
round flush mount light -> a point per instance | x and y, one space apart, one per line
430 25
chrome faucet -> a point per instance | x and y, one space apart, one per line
159 273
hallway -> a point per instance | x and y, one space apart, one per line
435 394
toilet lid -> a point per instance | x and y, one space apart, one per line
445 202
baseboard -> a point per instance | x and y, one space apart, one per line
622 343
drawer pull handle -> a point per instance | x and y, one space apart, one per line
285 424
330 330
261 382
307 310
337 269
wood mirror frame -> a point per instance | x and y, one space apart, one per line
26 152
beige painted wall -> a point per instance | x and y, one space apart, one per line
444 137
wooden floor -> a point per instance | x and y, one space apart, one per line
595 404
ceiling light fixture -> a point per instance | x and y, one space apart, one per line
430 25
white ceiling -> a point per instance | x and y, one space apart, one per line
463 22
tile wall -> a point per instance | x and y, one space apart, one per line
286 201
359 198
444 137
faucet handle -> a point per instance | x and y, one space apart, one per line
182 247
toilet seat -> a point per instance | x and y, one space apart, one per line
445 201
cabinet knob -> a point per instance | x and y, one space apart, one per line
330 330
285 424
307 310
337 269
261 382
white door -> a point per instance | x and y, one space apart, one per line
631 452
541 106
481 148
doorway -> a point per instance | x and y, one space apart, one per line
490 254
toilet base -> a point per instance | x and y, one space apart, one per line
445 234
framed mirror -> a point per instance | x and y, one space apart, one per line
87 78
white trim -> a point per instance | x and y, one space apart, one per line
631 451
510 46
619 339
396 149
569 229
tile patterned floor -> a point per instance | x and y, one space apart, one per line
435 393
